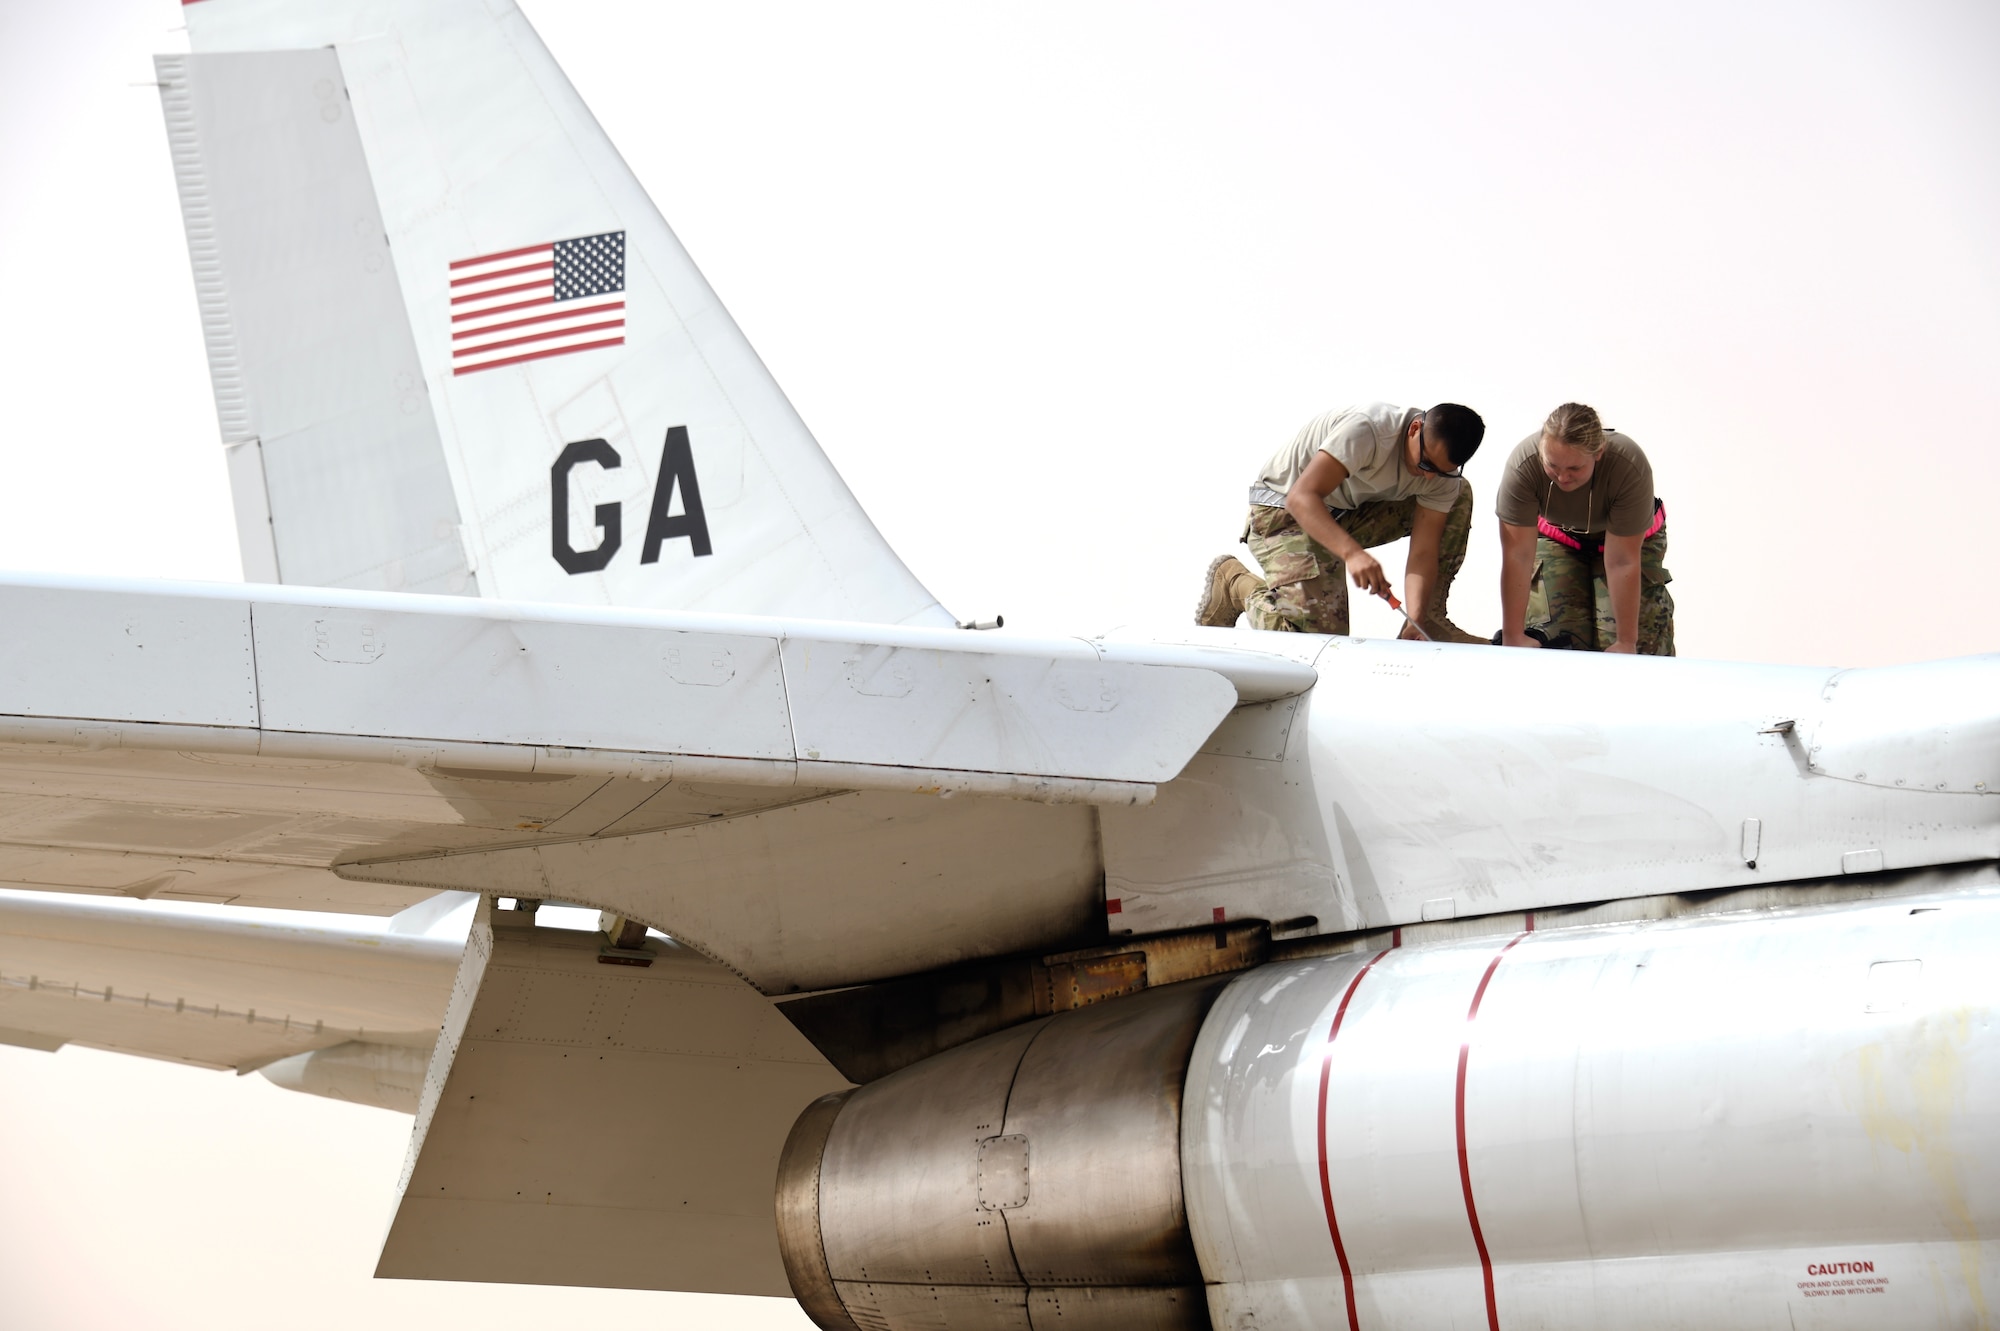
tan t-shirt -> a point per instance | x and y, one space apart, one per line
1618 498
1366 440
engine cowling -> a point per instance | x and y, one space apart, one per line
1761 1117
1031 1175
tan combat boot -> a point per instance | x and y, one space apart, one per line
1225 591
1441 629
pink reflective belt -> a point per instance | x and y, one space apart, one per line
1577 543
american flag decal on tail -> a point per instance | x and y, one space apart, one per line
538 301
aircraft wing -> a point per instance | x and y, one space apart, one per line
254 744
216 992
825 799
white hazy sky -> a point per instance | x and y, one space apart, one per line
1048 280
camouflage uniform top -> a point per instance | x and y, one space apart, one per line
1618 499
1368 441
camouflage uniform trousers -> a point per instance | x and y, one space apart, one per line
1305 584
1569 594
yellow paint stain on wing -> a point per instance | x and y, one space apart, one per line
1911 1090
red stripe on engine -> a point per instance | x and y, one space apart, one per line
1326 1179
1464 1163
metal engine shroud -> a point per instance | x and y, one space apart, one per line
910 1200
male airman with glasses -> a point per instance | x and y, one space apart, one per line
1349 480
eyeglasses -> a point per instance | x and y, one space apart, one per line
1424 463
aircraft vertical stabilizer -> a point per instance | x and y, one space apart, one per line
456 348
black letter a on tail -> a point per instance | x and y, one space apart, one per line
676 465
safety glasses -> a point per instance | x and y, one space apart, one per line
1424 463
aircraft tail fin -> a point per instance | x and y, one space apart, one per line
456 348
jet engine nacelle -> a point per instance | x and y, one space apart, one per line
1026 1179
1742 1120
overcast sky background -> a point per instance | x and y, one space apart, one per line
1048 281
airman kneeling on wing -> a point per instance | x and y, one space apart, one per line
1352 479
1583 542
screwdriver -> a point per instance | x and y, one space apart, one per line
1397 606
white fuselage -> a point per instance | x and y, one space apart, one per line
1426 782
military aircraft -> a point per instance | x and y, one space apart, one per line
944 977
